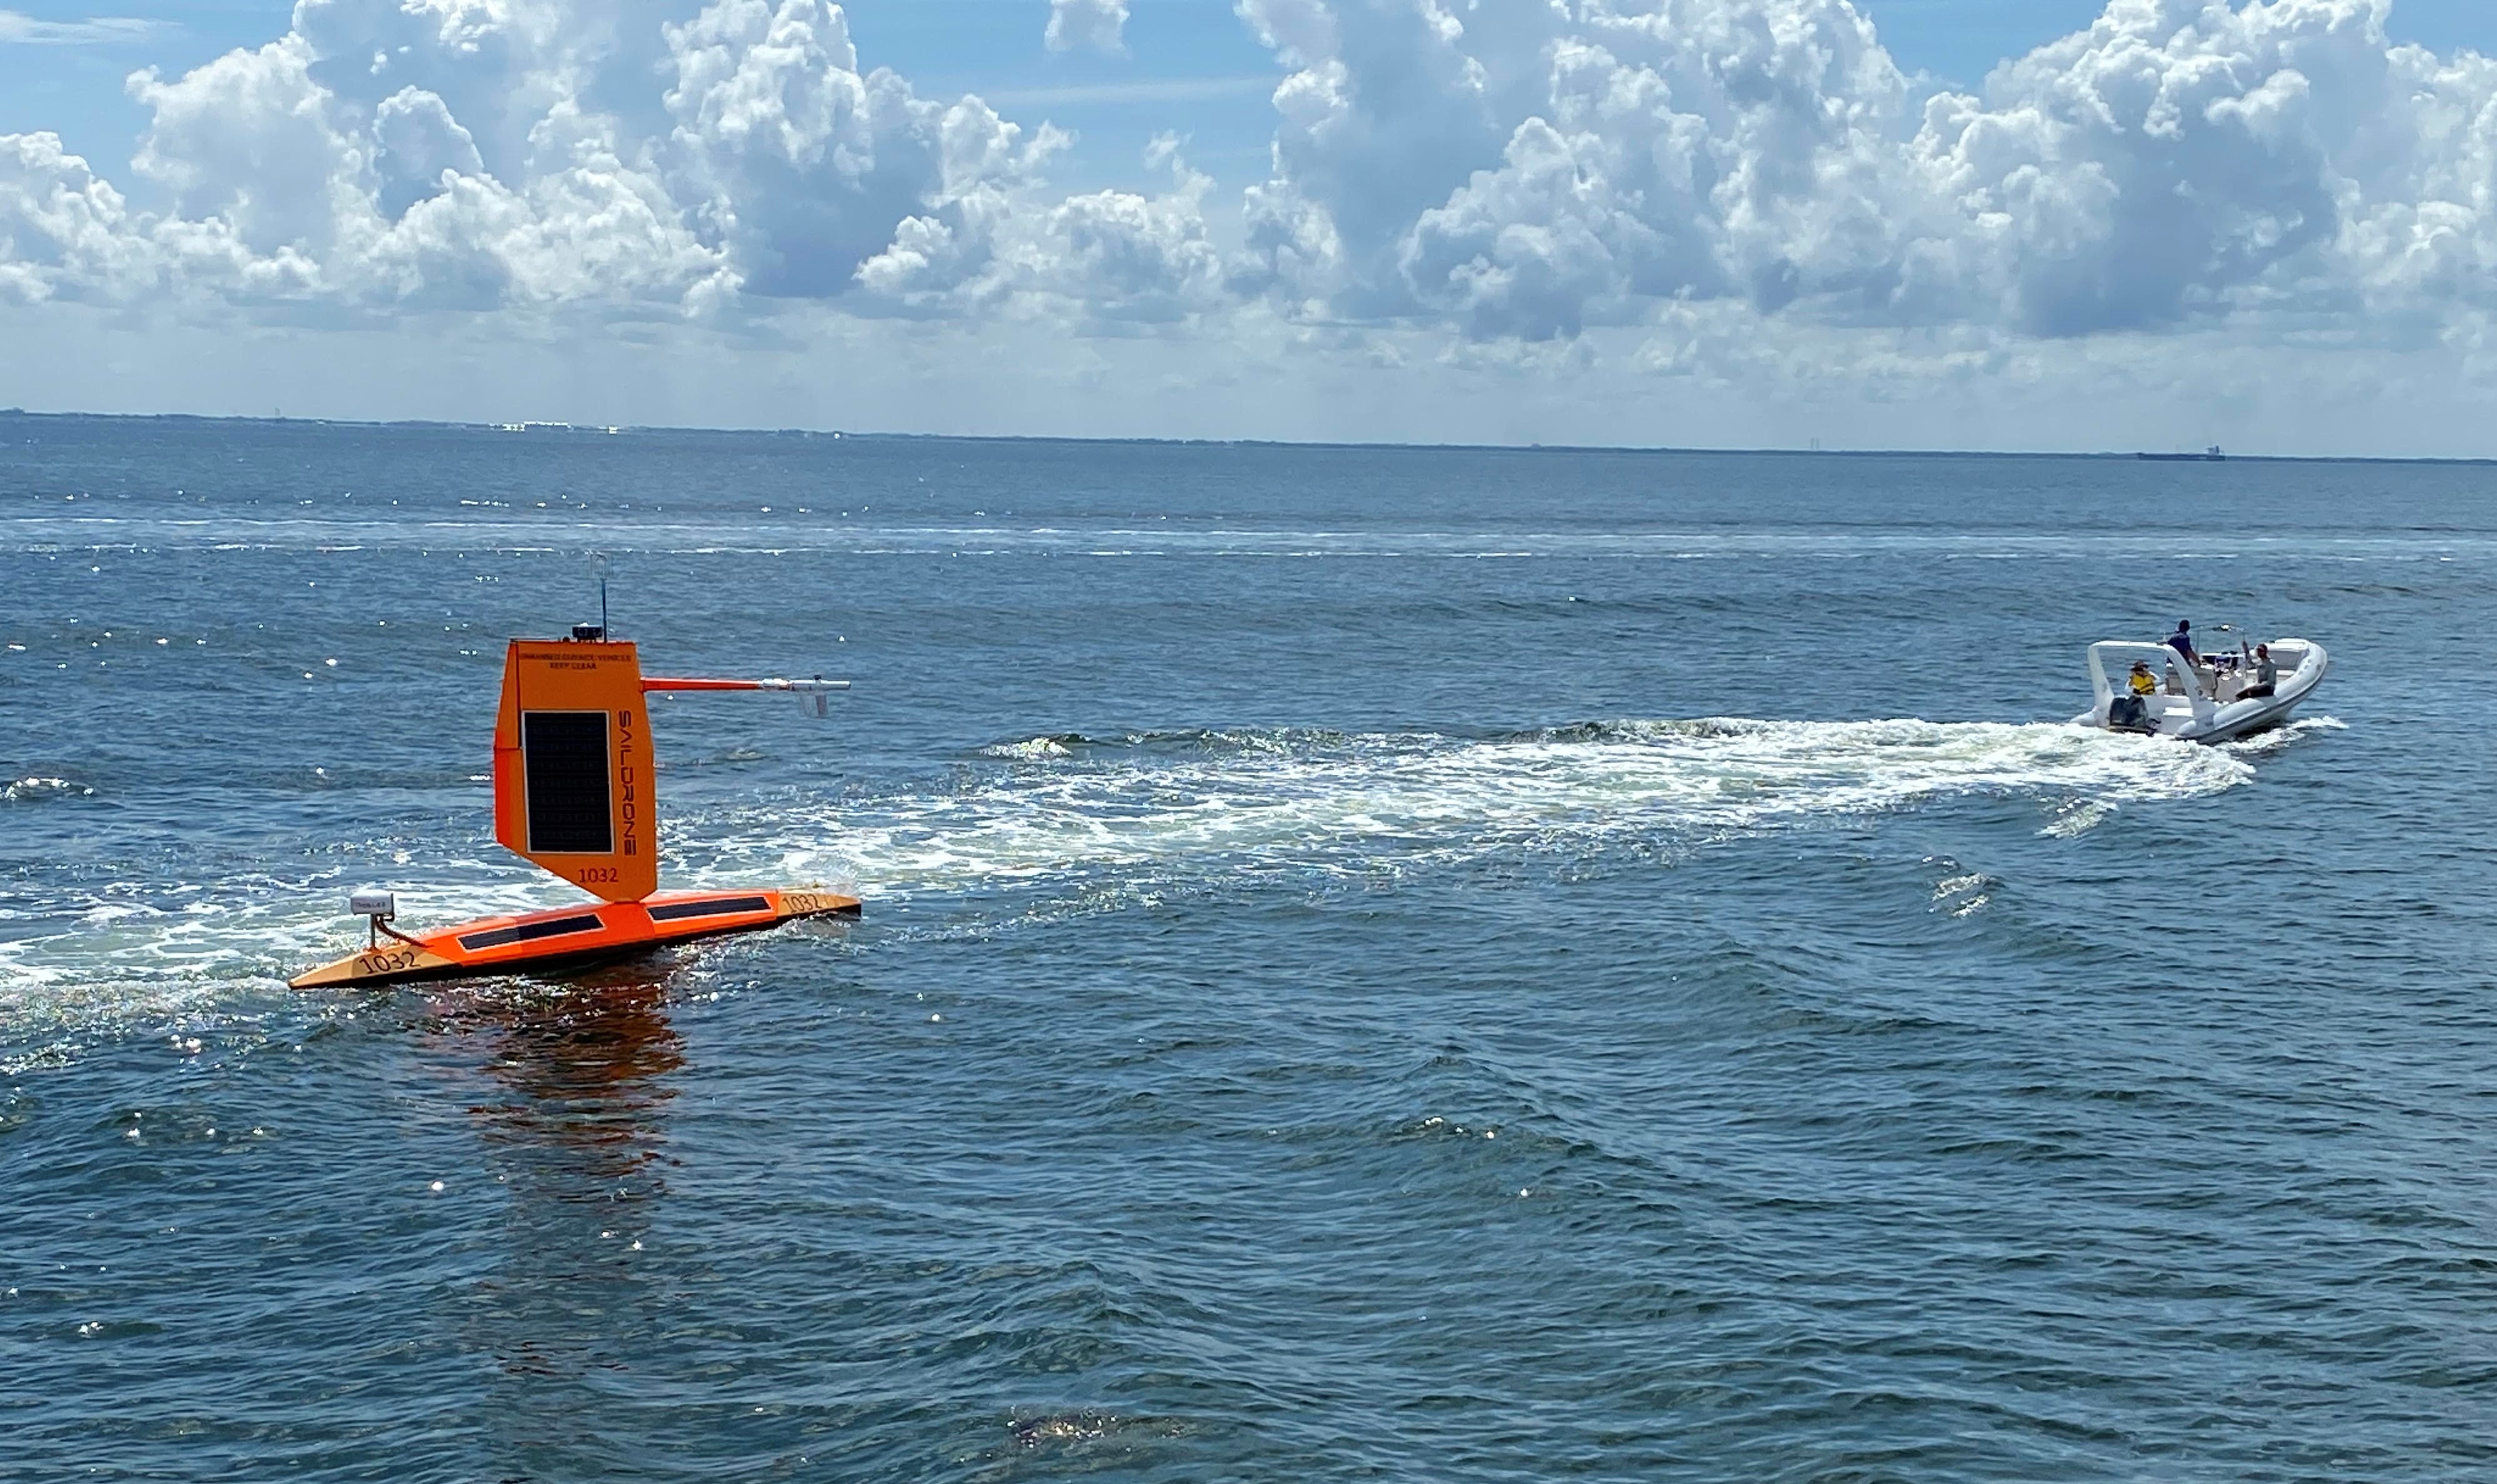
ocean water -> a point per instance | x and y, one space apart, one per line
1402 964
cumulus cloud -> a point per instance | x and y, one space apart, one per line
1114 261
1526 171
62 231
803 168
419 150
248 141
1126 256
1705 188
470 153
1094 23
2168 160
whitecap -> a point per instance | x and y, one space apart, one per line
2076 818
34 790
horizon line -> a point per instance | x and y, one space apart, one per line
602 430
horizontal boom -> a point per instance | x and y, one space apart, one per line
682 682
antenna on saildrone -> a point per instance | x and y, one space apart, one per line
598 569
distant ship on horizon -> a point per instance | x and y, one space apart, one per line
2211 454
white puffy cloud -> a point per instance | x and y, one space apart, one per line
248 140
1099 25
804 169
1528 170
2420 238
1685 193
1126 256
421 150
1572 160
297 172
476 154
1107 259
588 225
2171 160
62 231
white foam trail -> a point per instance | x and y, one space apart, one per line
1353 806
2262 742
207 953
1104 825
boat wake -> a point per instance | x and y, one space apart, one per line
1075 823
1335 805
2263 743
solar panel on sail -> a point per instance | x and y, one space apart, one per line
564 759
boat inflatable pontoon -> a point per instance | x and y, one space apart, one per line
2204 703
572 795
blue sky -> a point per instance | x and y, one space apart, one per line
1638 220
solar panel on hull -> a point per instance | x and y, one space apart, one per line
717 907
562 927
563 756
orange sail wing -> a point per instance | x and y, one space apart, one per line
573 766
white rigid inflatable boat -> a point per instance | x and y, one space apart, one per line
2204 703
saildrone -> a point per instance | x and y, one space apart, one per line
574 775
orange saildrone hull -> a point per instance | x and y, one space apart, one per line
561 936
573 780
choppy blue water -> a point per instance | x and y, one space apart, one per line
1390 965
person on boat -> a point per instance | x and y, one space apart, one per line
2267 673
2131 711
2201 678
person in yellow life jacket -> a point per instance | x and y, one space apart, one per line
2129 711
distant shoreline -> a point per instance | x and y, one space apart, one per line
545 429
